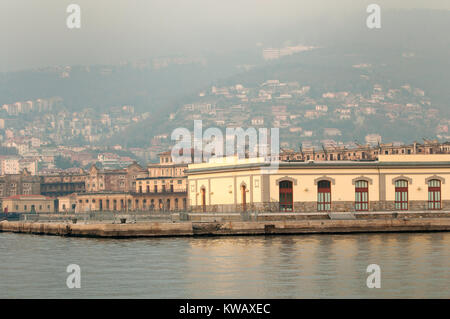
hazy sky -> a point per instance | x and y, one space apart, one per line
34 33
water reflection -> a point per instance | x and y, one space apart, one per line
308 266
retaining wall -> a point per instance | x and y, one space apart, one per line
157 229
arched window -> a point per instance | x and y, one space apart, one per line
286 197
401 195
324 196
361 195
434 194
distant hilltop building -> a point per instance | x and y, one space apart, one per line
271 54
259 120
14 165
322 108
39 105
113 161
373 139
276 53
332 131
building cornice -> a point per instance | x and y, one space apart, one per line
321 165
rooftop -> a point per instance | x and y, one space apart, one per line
385 161
29 197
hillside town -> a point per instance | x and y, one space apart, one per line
43 136
35 133
312 118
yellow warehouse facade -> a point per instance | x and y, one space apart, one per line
392 183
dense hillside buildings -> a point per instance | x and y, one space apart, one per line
391 183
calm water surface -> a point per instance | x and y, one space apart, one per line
414 265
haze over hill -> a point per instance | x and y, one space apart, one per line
411 49
34 33
393 60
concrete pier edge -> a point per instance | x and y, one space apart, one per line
227 228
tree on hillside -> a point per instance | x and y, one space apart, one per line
64 162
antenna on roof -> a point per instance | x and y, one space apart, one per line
325 151
356 142
301 152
